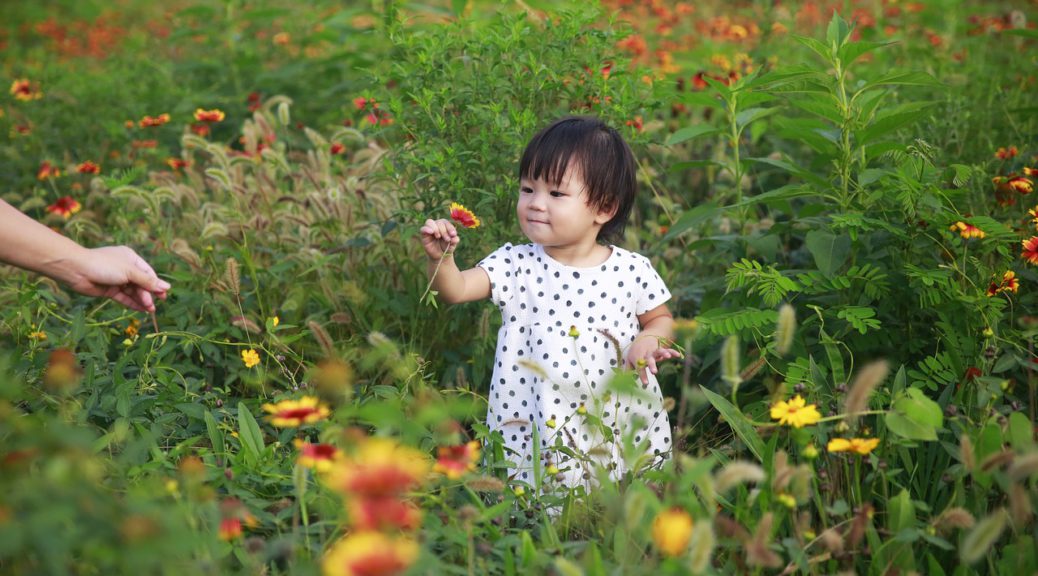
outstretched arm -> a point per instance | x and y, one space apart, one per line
115 272
439 239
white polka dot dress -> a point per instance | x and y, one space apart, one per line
556 355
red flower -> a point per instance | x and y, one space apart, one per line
144 143
214 115
463 216
47 170
383 512
361 102
455 461
1030 252
177 163
88 167
636 123
337 149
1006 153
230 529
1020 184
65 207
200 129
254 101
24 90
149 122
973 372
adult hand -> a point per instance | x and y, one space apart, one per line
115 272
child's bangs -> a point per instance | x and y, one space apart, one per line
550 154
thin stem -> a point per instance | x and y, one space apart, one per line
435 272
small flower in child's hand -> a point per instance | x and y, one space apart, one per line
860 446
796 413
573 332
463 216
672 531
250 357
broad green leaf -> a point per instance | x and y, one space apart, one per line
795 170
821 105
738 423
1020 431
691 133
914 416
692 218
752 115
701 99
817 46
830 251
215 434
851 51
901 78
888 124
837 31
249 432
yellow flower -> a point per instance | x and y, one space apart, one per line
550 423
369 552
275 321
671 531
857 445
289 413
573 332
786 500
250 357
38 335
795 413
967 230
519 490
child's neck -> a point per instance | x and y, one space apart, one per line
579 255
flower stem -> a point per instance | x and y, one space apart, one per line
435 272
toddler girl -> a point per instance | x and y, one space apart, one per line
574 309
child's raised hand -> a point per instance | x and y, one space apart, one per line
439 236
644 355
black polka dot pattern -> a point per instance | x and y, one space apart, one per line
554 362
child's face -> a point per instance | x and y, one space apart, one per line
558 216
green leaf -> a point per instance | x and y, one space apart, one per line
215 434
734 417
838 31
851 51
751 115
796 170
901 78
691 133
817 46
249 432
914 416
1020 430
692 218
830 251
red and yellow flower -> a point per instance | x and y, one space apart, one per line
1020 184
88 167
380 467
456 461
1030 251
796 412
292 413
176 163
47 170
214 115
24 90
154 121
337 148
383 513
319 457
201 129
1009 283
463 216
1004 153
967 230
369 554
230 529
65 207
861 446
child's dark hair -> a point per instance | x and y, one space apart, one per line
604 160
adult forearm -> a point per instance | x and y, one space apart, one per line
28 244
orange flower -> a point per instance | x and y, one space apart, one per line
967 230
1006 153
1010 283
88 167
1030 171
361 102
1020 184
144 144
337 149
47 170
202 130
369 554
65 207
230 529
320 457
282 38
463 216
383 512
150 122
637 123
380 468
1030 252
24 90
214 115
455 461
291 413
177 163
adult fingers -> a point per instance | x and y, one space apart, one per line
126 300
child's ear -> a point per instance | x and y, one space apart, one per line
606 214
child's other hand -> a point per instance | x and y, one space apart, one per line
644 355
439 236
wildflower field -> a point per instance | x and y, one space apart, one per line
839 195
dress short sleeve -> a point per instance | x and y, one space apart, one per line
500 267
652 291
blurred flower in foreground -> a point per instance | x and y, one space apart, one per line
796 413
337 149
1006 153
671 531
380 467
290 413
154 122
860 446
47 170
176 163
24 90
1034 216
62 372
230 529
214 115
250 357
1030 252
967 230
463 216
88 167
320 457
369 554
382 513
65 207
455 461
333 377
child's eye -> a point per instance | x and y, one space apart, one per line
557 194
526 190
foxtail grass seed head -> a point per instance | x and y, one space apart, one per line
758 548
1024 467
977 543
786 329
1020 505
322 337
864 384
954 518
738 472
284 116
231 276
730 361
969 461
832 541
486 484
702 547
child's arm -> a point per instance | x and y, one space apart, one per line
453 285
648 346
